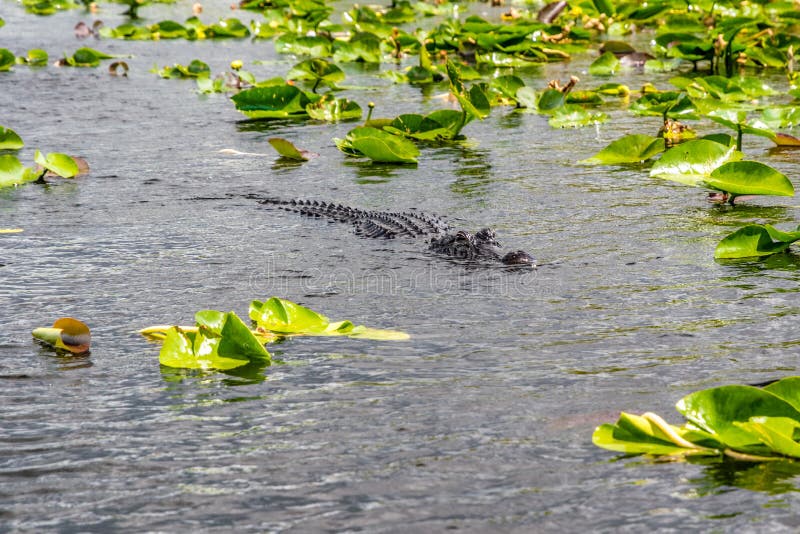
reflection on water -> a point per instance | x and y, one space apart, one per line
786 261
65 360
719 476
473 170
252 373
369 172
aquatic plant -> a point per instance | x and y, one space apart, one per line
222 341
706 163
755 240
14 173
67 334
742 422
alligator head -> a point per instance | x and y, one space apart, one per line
482 245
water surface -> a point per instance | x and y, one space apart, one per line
482 422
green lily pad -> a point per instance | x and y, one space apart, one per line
9 140
230 27
287 318
749 178
692 162
755 240
220 341
35 57
195 69
301 45
382 147
60 164
745 422
85 57
419 127
647 434
575 116
277 101
7 59
633 148
13 172
606 65
716 410
774 432
287 150
331 109
317 70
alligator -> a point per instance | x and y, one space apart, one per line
482 245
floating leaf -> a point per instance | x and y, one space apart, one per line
35 58
13 172
420 127
782 139
716 411
66 333
60 164
633 148
749 178
85 57
9 140
287 150
220 341
646 434
744 422
692 162
382 147
575 116
317 70
331 109
287 318
605 65
755 240
7 59
277 101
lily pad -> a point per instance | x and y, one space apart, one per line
13 172
9 140
7 59
277 101
287 150
749 178
633 148
287 318
60 164
692 162
755 240
67 334
575 116
605 65
317 70
382 147
331 109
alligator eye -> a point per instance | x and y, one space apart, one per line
486 234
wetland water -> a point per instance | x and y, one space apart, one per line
481 422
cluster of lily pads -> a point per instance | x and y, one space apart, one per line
221 340
742 422
14 173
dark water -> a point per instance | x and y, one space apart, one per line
482 422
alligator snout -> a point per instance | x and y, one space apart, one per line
518 257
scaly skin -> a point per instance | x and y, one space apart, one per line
382 224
